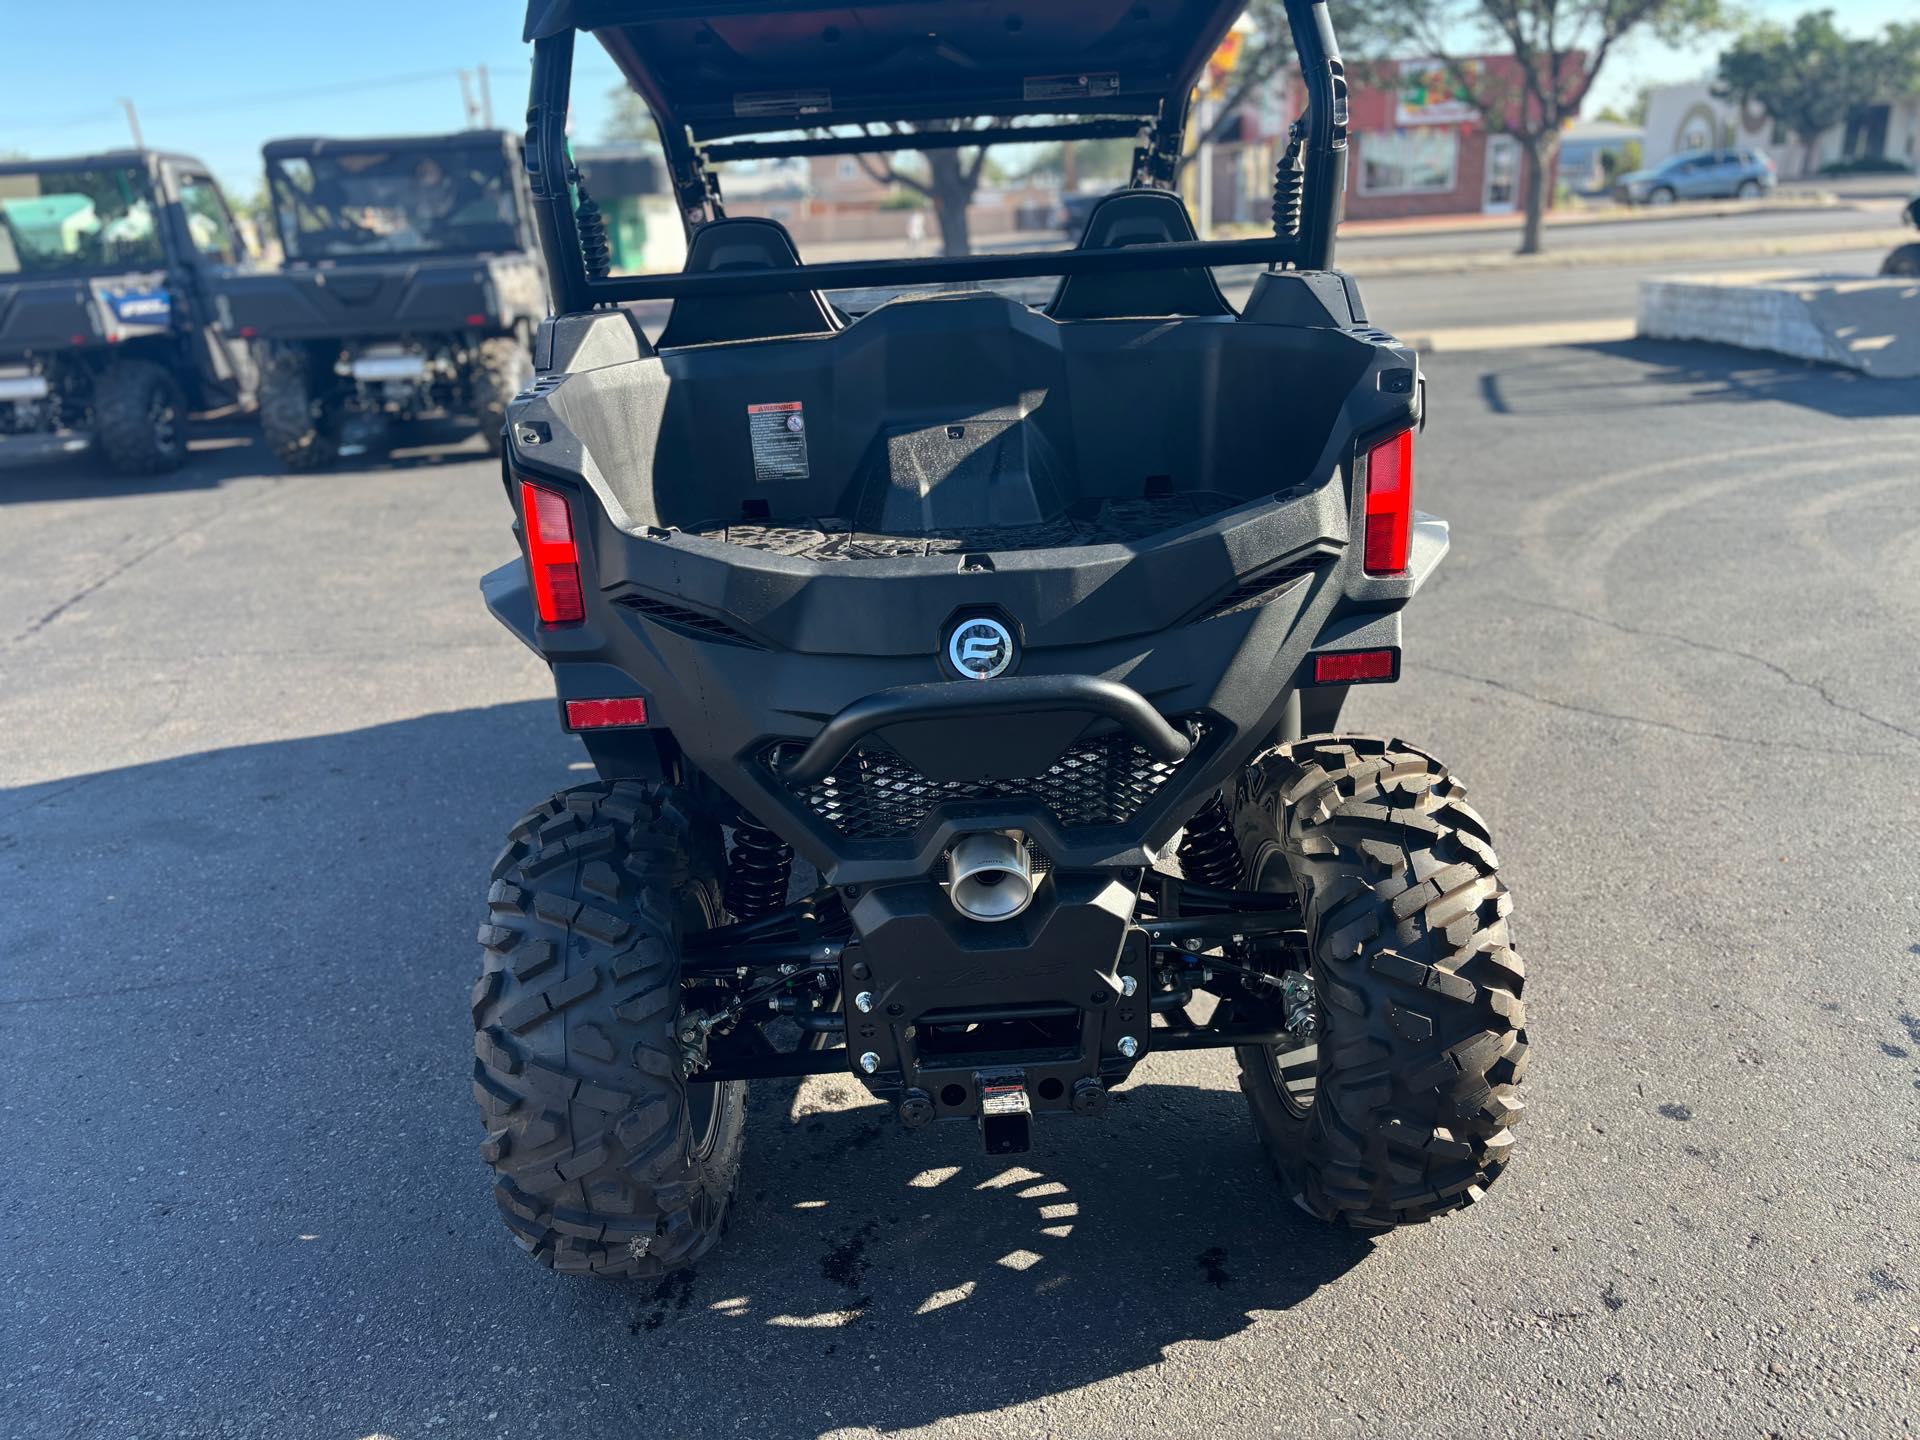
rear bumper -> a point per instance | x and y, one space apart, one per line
750 658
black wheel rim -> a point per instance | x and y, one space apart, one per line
698 912
163 416
1294 1070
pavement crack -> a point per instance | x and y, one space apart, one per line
96 583
1595 713
111 991
1815 687
99 582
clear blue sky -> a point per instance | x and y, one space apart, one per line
216 78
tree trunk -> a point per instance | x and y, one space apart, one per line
952 193
1543 151
1810 154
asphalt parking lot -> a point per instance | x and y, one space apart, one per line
259 741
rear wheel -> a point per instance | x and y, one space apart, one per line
607 1161
1749 190
1903 262
1397 1101
502 369
140 418
301 423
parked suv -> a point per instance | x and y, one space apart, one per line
1701 175
109 328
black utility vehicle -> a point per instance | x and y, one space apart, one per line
108 323
1905 260
409 291
1027 627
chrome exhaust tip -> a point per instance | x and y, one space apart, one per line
989 875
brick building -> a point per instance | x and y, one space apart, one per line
1418 146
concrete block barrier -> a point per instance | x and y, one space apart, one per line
1869 325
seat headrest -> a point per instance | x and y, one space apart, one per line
745 242
1138 217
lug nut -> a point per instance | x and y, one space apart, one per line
1128 1046
1128 984
863 1002
869 1062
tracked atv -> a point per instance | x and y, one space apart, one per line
109 328
1028 627
410 290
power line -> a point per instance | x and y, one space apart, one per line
244 102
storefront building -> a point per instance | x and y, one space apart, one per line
1421 148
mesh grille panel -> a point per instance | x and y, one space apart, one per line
875 795
689 622
1259 589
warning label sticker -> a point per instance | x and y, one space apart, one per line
779 436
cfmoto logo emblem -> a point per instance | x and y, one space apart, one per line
980 648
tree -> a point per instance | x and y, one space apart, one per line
1559 49
629 119
949 180
1811 77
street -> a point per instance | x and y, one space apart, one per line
259 741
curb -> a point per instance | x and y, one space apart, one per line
1465 264
1543 336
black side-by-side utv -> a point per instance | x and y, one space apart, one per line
1027 626
109 326
410 290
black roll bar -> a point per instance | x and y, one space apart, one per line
919 140
552 179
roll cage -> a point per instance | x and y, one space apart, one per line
706 118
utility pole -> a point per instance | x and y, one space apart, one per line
133 123
486 99
466 98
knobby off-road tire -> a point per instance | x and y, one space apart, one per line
1422 1041
1903 262
302 429
140 418
502 369
607 1162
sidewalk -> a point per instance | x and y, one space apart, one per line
1573 217
1760 248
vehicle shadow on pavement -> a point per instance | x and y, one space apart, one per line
904 1278
1569 381
233 1010
219 451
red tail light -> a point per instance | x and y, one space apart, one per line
1389 505
552 555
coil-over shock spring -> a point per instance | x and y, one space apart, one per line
757 871
1290 183
1209 855
595 251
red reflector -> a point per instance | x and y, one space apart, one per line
605 714
1389 505
1356 667
248 332
476 321
551 555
